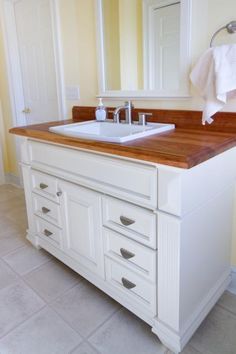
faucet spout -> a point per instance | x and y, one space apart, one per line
127 107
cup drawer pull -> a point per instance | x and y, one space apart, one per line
126 221
126 254
47 232
127 284
43 186
45 210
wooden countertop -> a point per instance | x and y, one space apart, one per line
182 147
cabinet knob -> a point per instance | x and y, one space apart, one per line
43 186
126 221
47 232
59 193
127 284
45 210
126 254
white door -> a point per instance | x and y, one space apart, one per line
81 210
2 179
37 62
166 33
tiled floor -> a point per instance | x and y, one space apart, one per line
47 308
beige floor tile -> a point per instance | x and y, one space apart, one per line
44 333
26 259
187 350
217 334
7 276
85 348
7 191
85 307
17 303
10 243
52 279
228 302
125 333
8 226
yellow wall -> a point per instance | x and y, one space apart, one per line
8 142
78 30
79 49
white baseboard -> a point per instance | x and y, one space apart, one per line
232 285
10 178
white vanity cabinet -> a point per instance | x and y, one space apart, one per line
155 238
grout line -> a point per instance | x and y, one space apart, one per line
85 341
22 322
108 319
12 251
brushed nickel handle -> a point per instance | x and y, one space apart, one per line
128 284
43 186
59 193
126 254
142 118
47 232
126 221
26 110
45 210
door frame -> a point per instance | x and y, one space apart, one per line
13 63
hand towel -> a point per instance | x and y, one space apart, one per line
215 77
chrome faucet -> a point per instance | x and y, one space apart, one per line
128 112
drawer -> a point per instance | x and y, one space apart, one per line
135 256
46 209
130 220
136 182
131 285
48 232
45 185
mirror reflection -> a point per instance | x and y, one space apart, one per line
141 44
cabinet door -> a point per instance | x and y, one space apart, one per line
82 236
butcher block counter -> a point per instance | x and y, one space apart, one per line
186 146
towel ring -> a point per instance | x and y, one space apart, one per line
230 27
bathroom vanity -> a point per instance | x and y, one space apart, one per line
151 229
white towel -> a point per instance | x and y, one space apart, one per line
215 77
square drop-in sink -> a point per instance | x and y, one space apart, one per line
110 131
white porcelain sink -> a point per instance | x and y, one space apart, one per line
109 131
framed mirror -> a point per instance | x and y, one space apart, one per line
143 48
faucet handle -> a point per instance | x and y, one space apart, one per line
142 118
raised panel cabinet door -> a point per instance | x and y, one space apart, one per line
82 226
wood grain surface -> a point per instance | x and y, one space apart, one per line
186 146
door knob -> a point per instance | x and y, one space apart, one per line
26 111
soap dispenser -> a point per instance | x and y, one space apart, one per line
101 112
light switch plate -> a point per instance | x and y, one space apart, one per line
72 93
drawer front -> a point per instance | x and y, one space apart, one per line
136 182
45 185
138 258
48 232
46 209
130 220
130 284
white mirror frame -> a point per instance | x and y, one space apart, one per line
185 36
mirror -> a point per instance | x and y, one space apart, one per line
143 47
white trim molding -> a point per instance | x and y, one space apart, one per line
232 285
185 45
10 178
